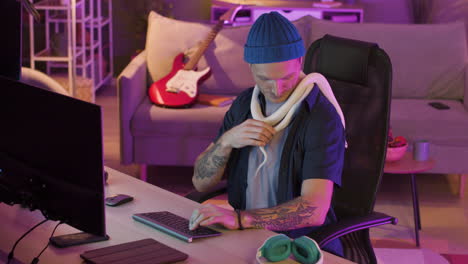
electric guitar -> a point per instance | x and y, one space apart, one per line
179 88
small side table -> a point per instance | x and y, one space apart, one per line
407 165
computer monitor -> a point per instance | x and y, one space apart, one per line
51 156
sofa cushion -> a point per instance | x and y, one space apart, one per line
168 37
428 60
416 120
199 121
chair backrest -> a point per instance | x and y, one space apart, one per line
360 74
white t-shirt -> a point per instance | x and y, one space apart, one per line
261 188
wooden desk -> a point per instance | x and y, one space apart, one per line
232 247
407 165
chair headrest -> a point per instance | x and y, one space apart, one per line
344 59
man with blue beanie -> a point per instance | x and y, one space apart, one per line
281 144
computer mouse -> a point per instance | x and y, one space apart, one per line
118 199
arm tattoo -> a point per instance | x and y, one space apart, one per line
290 215
211 162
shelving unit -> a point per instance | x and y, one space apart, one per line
86 28
292 10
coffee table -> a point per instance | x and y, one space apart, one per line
407 165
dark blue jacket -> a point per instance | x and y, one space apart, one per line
314 149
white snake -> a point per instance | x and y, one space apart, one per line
282 116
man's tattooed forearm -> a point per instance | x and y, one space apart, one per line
291 215
210 163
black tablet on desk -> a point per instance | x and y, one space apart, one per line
141 251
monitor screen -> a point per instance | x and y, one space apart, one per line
51 155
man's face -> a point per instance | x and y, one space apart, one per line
277 80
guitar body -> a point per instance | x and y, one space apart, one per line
179 88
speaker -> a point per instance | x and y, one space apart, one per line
10 45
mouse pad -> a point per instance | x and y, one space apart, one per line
142 251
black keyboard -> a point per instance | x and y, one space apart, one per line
174 225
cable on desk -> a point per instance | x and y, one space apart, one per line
36 259
11 255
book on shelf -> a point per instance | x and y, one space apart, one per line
327 4
215 100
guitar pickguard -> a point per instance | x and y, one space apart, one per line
186 81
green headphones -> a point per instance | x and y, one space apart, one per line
280 247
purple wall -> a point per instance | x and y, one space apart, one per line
128 15
387 11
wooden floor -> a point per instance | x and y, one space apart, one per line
444 217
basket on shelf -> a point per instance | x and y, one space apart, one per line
83 88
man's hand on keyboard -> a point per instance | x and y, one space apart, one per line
211 214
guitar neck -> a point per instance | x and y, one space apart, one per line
204 45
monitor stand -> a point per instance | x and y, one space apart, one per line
76 239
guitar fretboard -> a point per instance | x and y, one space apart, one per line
203 46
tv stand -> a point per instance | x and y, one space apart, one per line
70 240
292 10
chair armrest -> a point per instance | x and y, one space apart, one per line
131 90
200 197
348 225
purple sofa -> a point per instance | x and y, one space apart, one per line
430 63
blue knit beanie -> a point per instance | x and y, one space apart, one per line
273 38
